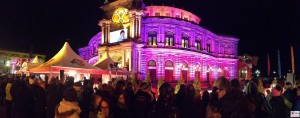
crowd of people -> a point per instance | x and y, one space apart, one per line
23 97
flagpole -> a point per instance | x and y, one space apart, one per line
269 65
279 64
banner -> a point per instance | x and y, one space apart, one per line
269 65
293 61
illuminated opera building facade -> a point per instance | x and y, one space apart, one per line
163 41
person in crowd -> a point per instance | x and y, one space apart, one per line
189 102
180 98
211 109
288 93
68 107
105 111
39 95
23 101
120 108
105 91
95 105
204 104
85 100
52 97
229 106
296 103
165 106
279 109
8 97
269 95
129 96
143 101
258 104
120 86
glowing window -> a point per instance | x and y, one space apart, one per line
198 44
169 39
208 47
157 14
152 38
185 41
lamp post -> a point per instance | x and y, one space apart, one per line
257 72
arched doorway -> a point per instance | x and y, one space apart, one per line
208 74
184 72
198 72
169 71
152 70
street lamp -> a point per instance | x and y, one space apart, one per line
257 73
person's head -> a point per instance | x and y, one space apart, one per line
222 86
288 85
97 98
122 33
104 107
298 90
276 91
145 87
120 85
70 94
268 92
190 90
42 84
129 86
205 96
235 86
121 97
165 91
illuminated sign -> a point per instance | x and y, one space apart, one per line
120 16
118 36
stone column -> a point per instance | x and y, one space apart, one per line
135 24
105 26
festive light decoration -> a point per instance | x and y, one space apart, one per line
120 16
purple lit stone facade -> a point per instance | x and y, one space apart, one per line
172 42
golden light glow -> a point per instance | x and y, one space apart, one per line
120 16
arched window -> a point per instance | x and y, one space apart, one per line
208 47
169 64
169 39
151 63
185 41
152 70
152 37
198 44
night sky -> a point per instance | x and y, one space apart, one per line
263 26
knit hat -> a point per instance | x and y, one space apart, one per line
70 94
288 83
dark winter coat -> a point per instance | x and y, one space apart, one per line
120 111
296 104
52 100
22 101
233 106
279 109
142 104
288 94
39 96
165 109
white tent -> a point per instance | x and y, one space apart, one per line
66 59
